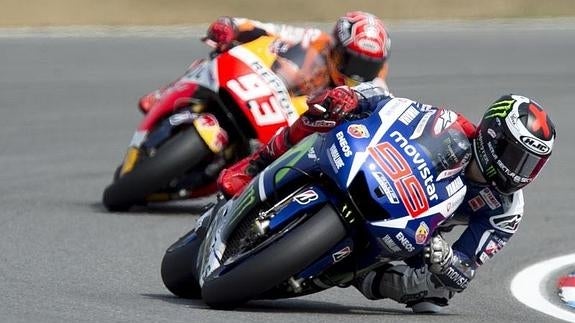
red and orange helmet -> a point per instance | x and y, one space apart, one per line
360 50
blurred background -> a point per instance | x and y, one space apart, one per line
18 13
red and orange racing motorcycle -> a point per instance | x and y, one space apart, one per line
217 112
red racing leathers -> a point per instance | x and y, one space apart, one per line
226 32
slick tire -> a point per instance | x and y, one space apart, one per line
176 156
179 267
256 273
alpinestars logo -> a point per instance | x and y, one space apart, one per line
506 222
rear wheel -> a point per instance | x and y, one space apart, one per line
177 155
265 268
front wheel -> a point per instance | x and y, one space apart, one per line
179 272
183 151
259 271
179 267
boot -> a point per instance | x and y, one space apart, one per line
415 287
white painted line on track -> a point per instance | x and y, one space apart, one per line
526 287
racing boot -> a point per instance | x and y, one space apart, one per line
417 288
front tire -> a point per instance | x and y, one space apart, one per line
179 267
176 156
275 263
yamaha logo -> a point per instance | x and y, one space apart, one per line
535 145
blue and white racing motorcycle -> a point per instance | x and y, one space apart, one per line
336 205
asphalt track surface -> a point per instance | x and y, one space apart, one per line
68 110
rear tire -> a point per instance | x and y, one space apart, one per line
176 156
274 264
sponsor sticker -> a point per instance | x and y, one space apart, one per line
336 158
421 233
476 203
343 144
306 197
311 153
386 187
390 244
358 131
338 256
421 125
535 145
404 242
490 248
183 117
490 198
409 115
454 186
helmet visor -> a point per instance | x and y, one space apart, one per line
518 165
355 67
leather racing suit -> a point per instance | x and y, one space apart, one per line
306 48
490 218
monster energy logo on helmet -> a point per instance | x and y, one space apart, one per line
499 109
491 171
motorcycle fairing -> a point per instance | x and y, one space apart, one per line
346 154
249 82
254 194
307 199
394 230
213 246
261 56
203 72
337 254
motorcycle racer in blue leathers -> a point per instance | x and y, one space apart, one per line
505 152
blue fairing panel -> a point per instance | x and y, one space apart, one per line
308 199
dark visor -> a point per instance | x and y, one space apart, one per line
356 67
519 161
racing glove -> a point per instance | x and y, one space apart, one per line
325 110
221 34
438 254
450 268
332 104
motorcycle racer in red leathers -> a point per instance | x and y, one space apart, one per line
356 51
500 156
308 60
